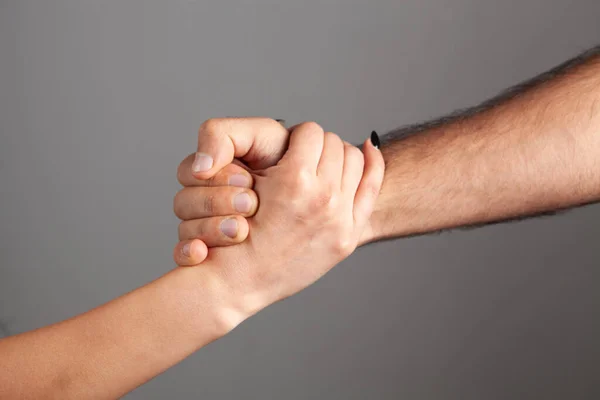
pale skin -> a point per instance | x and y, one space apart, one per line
534 152
319 197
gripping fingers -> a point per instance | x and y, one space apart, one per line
201 202
258 141
231 175
215 231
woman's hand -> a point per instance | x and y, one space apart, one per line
314 205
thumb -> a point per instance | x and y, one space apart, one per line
260 142
371 182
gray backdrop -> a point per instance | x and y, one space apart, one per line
100 100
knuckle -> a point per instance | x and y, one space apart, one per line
208 203
333 203
354 154
321 203
210 125
301 181
330 136
344 245
310 126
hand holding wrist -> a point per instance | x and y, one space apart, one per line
314 205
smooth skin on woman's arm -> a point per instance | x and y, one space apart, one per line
110 350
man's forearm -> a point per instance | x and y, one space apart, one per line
116 347
534 149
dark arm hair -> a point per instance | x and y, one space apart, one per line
506 95
415 153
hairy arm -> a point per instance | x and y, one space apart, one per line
112 349
532 150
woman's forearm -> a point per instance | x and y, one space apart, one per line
532 150
112 349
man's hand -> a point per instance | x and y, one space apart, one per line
213 211
259 142
217 193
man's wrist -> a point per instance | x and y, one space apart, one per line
372 231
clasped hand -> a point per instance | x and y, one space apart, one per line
279 208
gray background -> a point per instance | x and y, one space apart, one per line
100 100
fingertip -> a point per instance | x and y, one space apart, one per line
243 229
230 174
245 202
235 175
240 180
203 162
198 250
190 252
368 146
203 175
254 203
235 228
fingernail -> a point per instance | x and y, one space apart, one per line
239 180
202 162
187 249
375 140
242 203
229 227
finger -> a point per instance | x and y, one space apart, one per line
202 202
354 161
331 164
190 252
261 142
370 184
215 231
306 145
230 175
